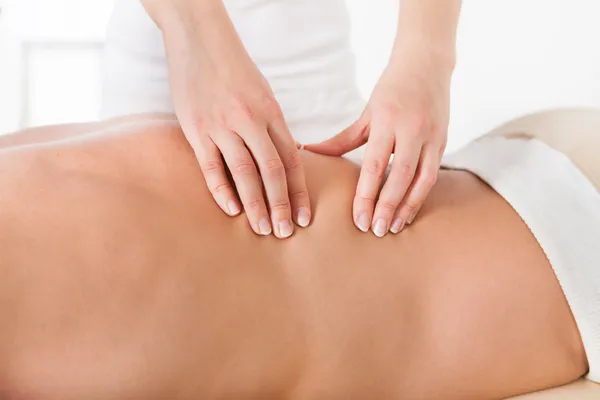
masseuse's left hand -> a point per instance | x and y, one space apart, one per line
407 115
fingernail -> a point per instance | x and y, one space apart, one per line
285 228
380 228
363 222
303 217
397 225
233 207
264 227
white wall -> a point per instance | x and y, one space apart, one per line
373 34
515 56
50 53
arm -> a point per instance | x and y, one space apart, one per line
207 20
407 115
428 27
231 118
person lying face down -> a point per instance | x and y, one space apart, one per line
121 279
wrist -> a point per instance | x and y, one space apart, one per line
424 55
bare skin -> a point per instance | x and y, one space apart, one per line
122 279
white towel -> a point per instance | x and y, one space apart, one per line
561 207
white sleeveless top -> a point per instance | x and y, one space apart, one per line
301 46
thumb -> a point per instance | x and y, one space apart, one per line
347 140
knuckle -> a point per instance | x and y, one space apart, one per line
294 161
376 168
221 187
279 205
387 117
253 205
274 168
364 133
384 140
444 143
419 119
271 108
238 110
388 114
366 199
415 124
411 207
405 171
198 122
243 167
212 166
387 206
438 141
299 194
439 129
430 179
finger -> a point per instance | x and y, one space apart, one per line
273 174
425 178
377 156
294 170
215 174
245 175
349 139
406 158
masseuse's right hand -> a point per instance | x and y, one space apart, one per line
230 117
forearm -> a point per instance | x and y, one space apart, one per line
203 23
162 11
429 28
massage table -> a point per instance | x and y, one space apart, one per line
580 390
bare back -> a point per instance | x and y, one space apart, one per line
142 286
